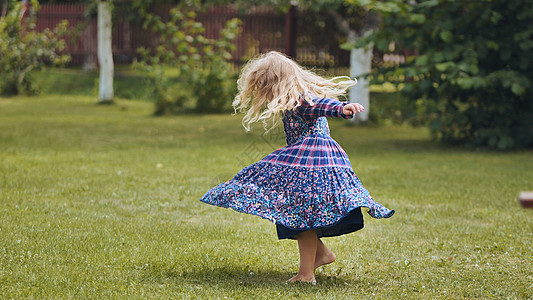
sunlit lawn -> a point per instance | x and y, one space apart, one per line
102 202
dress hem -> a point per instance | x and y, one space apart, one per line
276 222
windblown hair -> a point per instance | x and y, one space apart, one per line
273 83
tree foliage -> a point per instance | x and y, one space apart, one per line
23 49
205 80
469 64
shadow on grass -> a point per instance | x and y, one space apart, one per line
231 278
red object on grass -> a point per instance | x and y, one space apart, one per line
526 199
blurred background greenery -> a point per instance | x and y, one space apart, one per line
459 67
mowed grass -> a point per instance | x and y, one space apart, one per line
101 202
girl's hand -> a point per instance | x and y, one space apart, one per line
352 108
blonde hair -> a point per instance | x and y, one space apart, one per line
273 83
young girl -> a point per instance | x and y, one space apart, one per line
308 188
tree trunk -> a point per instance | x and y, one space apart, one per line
105 53
360 61
360 64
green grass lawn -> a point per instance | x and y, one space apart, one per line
128 82
101 202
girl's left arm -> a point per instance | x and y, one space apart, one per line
351 109
326 107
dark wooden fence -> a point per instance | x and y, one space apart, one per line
263 29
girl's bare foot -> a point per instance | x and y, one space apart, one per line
301 278
324 259
323 256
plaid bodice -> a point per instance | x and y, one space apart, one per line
297 128
308 141
309 119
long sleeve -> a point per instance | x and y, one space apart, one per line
324 107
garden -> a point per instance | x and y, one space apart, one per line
102 201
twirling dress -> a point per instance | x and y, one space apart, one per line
308 184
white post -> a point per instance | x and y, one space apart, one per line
360 64
105 53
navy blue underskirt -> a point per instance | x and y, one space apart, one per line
352 222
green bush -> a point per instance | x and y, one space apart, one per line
204 80
23 49
388 108
470 65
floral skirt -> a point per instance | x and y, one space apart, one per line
298 198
